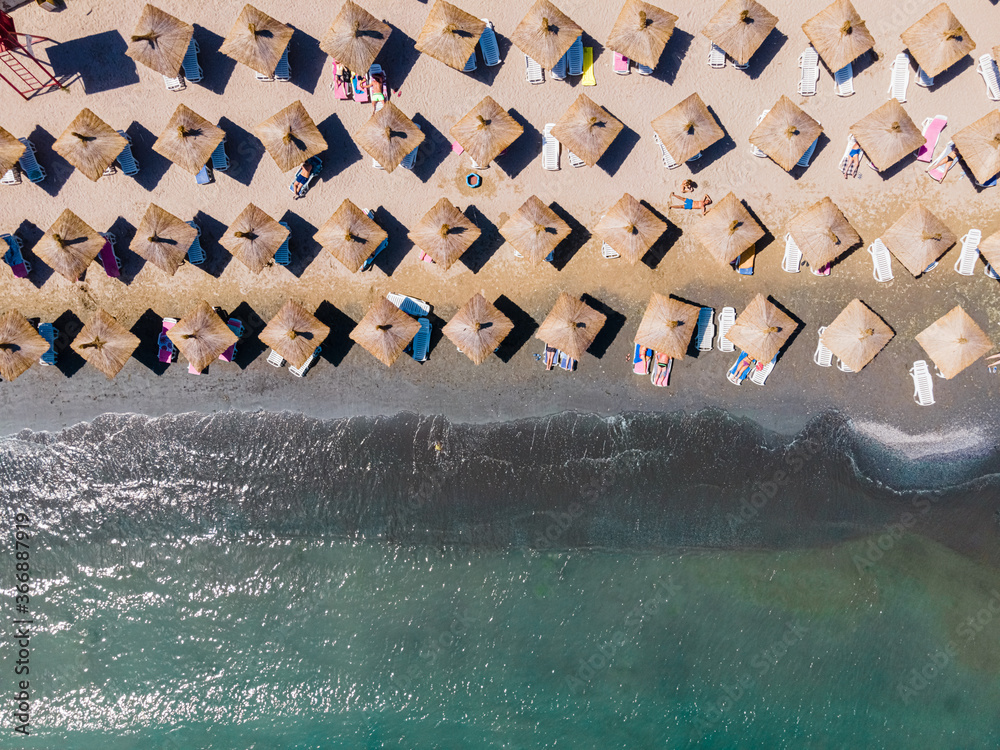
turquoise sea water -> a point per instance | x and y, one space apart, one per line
205 604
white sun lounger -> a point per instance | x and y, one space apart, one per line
574 57
488 44
643 70
823 356
609 252
966 262
550 149
900 79
990 272
559 70
174 84
668 160
793 256
843 81
706 329
574 160
275 359
842 366
716 57
192 70
809 65
988 70
11 177
753 149
29 163
759 377
923 384
923 79
533 71
127 161
808 155
880 259
410 305
726 319
300 372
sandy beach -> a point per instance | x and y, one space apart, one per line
348 380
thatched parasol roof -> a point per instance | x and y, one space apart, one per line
202 336
838 34
90 144
163 239
256 40
668 325
887 134
160 41
587 129
69 246
727 230
687 128
389 136
290 136
857 335
105 343
478 329
355 37
253 238
572 326
486 131
979 146
350 236
822 233
535 230
630 228
188 140
444 233
785 133
385 331
545 34
989 248
954 342
450 34
739 27
10 151
761 329
294 333
937 41
918 238
20 345
641 32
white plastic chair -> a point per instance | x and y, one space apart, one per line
668 160
823 356
923 383
900 79
716 57
759 377
753 149
488 45
574 57
609 252
923 79
793 256
966 262
726 319
881 261
809 64
706 329
988 70
574 160
843 81
550 149
533 71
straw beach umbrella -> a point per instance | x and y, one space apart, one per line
163 239
822 233
450 34
572 326
478 329
256 40
761 329
389 136
785 133
20 345
667 325
350 236
535 230
254 238
202 336
294 333
838 34
11 150
857 335
69 246
979 145
739 27
918 238
105 343
887 134
385 331
630 228
160 41
954 342
90 144
290 136
687 129
989 248
188 140
727 230
545 34
641 32
937 41
355 37
587 129
444 233
485 131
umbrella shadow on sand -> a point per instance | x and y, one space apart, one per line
303 247
402 51
609 331
524 327
153 165
578 236
98 61
673 56
768 238
306 60
69 326
30 234
664 242
767 51
131 263
432 151
148 328
799 327
616 154
343 155
338 343
245 151
217 258
250 347
216 66
717 150
522 151
488 242
399 241
57 169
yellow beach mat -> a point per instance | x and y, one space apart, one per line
588 67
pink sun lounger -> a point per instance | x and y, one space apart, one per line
931 132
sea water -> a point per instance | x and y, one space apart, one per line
273 581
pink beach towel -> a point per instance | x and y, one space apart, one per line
932 131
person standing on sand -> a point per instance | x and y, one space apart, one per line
691 203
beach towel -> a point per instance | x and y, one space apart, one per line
588 67
931 132
640 360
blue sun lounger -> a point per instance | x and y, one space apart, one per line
282 256
125 159
192 70
29 164
50 333
196 253
220 161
